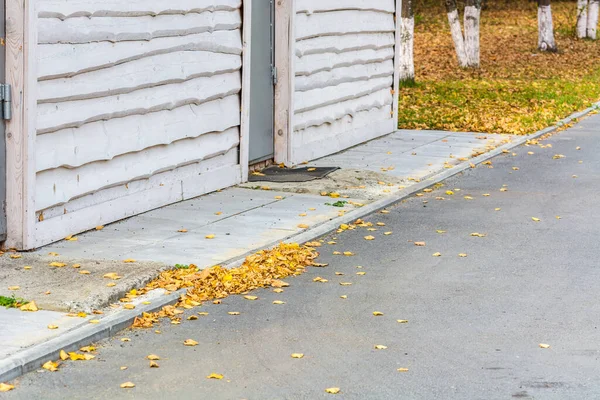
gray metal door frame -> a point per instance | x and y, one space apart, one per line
2 129
262 79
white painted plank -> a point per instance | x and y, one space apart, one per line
60 185
344 43
53 229
132 8
64 60
104 140
342 22
114 29
140 185
152 71
316 142
55 116
244 113
312 99
337 76
315 6
315 63
338 110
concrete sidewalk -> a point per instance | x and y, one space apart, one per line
242 220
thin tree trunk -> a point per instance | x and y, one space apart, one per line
407 25
456 31
472 18
582 18
546 40
592 18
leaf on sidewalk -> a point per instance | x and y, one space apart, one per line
332 390
214 376
31 306
190 342
127 385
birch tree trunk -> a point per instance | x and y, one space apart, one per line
546 40
582 18
592 18
456 31
472 18
407 35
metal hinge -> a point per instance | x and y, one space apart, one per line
6 99
274 74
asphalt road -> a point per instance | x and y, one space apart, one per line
475 322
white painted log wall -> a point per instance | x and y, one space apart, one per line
138 107
344 69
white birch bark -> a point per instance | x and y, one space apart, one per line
407 63
457 37
582 17
472 18
546 40
592 18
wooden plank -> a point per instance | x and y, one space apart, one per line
345 43
337 76
326 139
246 76
313 99
20 137
284 89
56 116
132 8
105 140
115 29
315 6
338 110
396 88
316 63
53 229
60 185
140 185
156 70
343 22
67 60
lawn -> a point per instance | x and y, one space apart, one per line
517 90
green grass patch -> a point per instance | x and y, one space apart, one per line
11 302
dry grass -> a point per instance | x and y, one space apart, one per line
517 89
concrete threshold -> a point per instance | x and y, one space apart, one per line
243 221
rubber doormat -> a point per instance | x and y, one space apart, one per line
276 174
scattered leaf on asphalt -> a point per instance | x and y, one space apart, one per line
127 385
402 369
154 364
377 313
279 284
503 189
302 226
125 339
348 253
497 209
182 230
210 236
278 290
203 313
462 254
214 376
63 355
369 237
402 321
5 387
440 231
477 234
94 321
535 219
486 195
278 302
544 346
449 192
84 272
380 347
129 260
361 273
14 256
251 297
297 355
112 275
87 349
345 283
52 326
153 357
111 284
343 297
190 342
50 366
438 254
123 368
468 198
332 390
558 217
319 279
387 233
313 244
31 306
233 313
421 244
57 264
99 227
14 287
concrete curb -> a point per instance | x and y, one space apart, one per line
32 358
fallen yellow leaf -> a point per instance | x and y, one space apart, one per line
153 357
544 346
84 272
76 266
468 198
182 230
535 219
437 254
52 326
50 366
14 287
94 321
345 283
127 385
31 306
63 355
402 369
5 387
402 321
380 347
297 355
57 264
348 253
278 302
153 364
462 254
233 313
210 236
16 256
302 226
190 342
128 306
343 297
361 273
111 284
369 237
421 244
214 376
251 297
449 192
87 349
129 260
377 313
279 284
332 390
112 275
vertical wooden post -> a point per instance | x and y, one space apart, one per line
285 39
397 52
246 62
21 39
